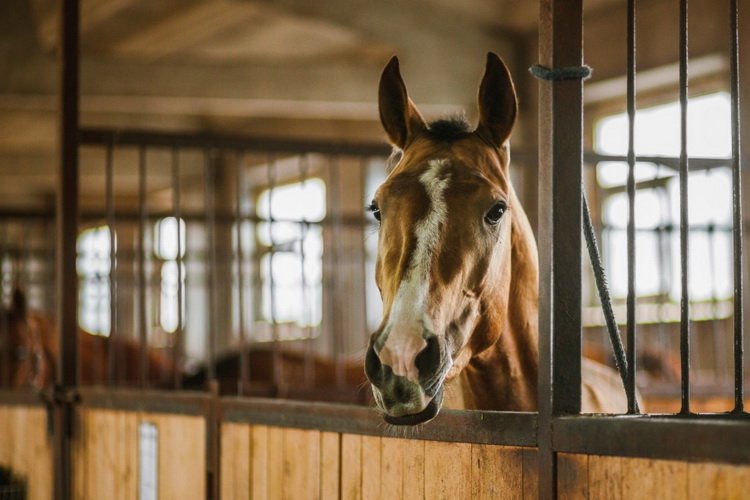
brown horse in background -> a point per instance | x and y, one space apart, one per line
457 267
32 353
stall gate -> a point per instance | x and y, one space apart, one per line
149 437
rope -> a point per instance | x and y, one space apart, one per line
603 289
564 73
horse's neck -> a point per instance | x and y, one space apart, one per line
504 377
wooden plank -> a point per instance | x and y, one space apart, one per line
413 477
530 473
351 467
235 461
572 476
605 477
301 470
392 468
330 465
371 467
275 476
441 458
259 462
645 478
707 481
497 472
182 456
79 454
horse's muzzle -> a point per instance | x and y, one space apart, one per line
430 412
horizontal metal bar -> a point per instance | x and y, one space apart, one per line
502 428
153 401
97 136
716 438
20 397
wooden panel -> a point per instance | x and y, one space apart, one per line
605 477
392 468
718 482
235 461
572 476
301 470
497 472
371 468
182 456
351 467
330 467
109 462
275 479
662 479
530 473
259 462
26 448
413 478
441 457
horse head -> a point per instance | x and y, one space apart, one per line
446 214
24 336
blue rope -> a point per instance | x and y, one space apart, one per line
557 74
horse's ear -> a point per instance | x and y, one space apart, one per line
398 114
18 304
497 102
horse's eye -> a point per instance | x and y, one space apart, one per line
495 213
374 209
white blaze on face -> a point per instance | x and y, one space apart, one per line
408 320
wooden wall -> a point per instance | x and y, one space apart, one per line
106 455
26 448
619 478
262 462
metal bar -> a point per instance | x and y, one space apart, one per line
306 319
509 428
684 224
276 348
715 438
736 210
244 355
142 281
631 320
150 401
179 343
336 306
92 136
560 181
66 237
210 208
110 209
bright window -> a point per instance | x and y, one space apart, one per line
292 266
168 247
93 272
657 200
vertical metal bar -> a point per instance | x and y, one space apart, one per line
737 220
631 321
306 319
179 341
210 209
338 295
684 224
239 182
110 208
276 352
142 281
67 233
560 179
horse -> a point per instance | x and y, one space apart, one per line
457 266
31 351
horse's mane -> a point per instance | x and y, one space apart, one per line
448 129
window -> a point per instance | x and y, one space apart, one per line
657 201
169 251
93 272
291 262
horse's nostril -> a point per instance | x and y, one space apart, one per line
373 366
428 360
